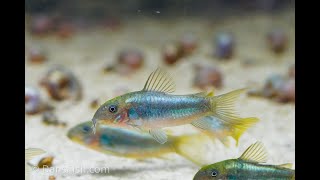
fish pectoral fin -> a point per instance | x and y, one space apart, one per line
255 153
159 135
159 81
203 123
287 165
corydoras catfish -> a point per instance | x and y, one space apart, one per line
154 108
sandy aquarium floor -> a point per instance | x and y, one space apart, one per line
87 52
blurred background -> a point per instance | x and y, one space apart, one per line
81 53
173 8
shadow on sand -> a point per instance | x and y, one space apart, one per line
123 172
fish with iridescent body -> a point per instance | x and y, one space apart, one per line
154 108
249 166
134 144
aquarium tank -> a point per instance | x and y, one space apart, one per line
164 89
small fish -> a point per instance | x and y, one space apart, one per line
247 166
154 108
133 144
29 154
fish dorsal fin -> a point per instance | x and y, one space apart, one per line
287 165
159 81
255 153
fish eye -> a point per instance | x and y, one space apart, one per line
113 108
214 173
86 129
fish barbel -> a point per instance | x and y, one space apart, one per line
154 108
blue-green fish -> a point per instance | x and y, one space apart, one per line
133 144
247 167
154 108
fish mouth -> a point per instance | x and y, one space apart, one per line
75 139
73 136
69 134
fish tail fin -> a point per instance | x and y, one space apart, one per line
222 106
225 141
240 129
215 129
191 147
223 120
214 136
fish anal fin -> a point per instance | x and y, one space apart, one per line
159 81
159 135
203 123
255 153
